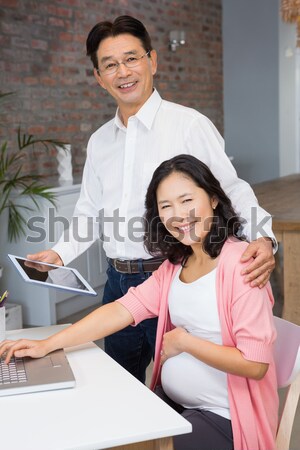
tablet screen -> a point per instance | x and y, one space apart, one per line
63 277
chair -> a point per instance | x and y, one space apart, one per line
287 362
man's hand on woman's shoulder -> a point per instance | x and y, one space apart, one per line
258 272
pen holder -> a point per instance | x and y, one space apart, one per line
2 323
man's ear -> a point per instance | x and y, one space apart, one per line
98 78
153 60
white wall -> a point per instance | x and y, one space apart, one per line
289 94
259 90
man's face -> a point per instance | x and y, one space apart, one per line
130 87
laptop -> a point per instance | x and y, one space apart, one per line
26 375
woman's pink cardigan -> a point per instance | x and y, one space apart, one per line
246 323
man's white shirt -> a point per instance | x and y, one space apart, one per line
120 164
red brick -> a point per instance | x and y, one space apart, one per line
9 3
66 37
48 81
65 12
20 42
42 56
56 22
29 81
36 129
39 44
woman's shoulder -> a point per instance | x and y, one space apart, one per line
234 246
165 271
166 268
231 253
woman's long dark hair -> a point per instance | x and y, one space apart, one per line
158 240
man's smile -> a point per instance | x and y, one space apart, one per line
127 85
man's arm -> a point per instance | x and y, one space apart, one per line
205 143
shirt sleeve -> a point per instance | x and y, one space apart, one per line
205 142
253 325
85 223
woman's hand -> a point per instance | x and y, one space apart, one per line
172 343
23 347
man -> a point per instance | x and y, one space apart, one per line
121 158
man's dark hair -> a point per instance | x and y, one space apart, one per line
225 223
121 25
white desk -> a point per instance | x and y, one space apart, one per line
107 408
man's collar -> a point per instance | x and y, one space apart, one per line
118 122
148 111
145 115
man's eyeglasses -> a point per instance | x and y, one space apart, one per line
111 67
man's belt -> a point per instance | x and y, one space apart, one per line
136 265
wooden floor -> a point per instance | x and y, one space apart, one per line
165 444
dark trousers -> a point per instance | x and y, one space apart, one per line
133 347
210 431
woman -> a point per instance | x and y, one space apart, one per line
214 360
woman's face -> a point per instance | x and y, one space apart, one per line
185 209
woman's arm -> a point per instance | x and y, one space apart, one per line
100 323
227 359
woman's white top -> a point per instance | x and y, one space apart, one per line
185 379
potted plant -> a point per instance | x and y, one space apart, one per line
15 185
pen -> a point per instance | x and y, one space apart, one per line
3 299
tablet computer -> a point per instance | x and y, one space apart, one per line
51 275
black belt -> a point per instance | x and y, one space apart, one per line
135 266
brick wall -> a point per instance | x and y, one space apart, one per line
42 59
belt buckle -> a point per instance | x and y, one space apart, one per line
119 264
115 264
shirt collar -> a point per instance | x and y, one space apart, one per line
118 122
145 115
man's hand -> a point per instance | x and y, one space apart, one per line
47 256
258 272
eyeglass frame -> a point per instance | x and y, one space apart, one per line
125 64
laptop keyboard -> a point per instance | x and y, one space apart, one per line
13 372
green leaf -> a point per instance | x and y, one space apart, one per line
15 185
16 223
